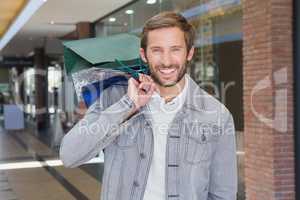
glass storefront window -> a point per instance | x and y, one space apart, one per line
129 19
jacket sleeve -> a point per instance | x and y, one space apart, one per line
223 176
96 130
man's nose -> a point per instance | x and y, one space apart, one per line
166 59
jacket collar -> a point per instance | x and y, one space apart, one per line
195 98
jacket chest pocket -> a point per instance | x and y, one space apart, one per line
196 151
126 140
198 143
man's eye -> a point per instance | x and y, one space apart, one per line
155 50
176 49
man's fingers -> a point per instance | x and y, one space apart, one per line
145 78
141 77
141 90
145 86
133 81
148 78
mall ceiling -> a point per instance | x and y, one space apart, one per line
54 19
8 11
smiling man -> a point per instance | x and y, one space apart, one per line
163 137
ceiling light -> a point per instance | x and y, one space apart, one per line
31 53
129 12
151 1
52 22
112 19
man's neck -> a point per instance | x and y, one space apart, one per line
169 93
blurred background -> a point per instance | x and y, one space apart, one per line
245 57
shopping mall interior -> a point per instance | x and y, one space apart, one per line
39 103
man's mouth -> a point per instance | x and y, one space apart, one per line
167 71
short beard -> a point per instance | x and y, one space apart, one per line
157 80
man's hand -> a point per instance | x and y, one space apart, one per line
141 92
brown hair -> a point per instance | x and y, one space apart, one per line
166 20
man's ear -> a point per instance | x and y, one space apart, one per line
191 54
143 55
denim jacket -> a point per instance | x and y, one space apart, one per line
200 156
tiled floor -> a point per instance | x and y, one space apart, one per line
26 174
6 191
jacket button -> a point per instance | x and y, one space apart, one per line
136 184
142 155
147 124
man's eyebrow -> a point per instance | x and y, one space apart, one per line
174 46
177 46
155 47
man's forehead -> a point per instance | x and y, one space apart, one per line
171 36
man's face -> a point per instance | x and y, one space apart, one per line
166 55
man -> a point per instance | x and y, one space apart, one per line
163 138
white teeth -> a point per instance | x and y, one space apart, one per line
167 71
